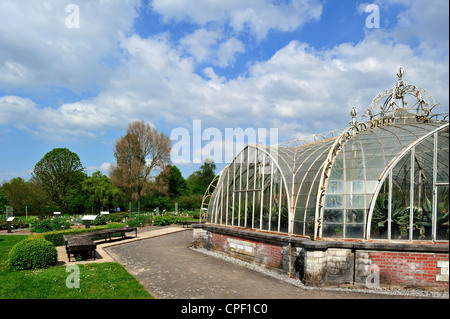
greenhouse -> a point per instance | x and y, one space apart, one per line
385 178
366 205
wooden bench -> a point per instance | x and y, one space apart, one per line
108 233
188 222
77 244
81 243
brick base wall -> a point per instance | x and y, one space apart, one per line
319 263
411 269
260 253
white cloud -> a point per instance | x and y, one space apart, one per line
300 90
257 16
228 50
38 50
200 44
297 89
104 168
212 47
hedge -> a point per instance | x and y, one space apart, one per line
57 237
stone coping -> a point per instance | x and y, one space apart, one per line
323 244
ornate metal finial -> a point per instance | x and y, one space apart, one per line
396 105
400 73
353 114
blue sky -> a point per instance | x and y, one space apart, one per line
294 65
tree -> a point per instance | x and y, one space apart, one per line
141 151
3 201
170 182
199 181
177 183
18 192
59 172
100 191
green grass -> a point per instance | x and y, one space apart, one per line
97 281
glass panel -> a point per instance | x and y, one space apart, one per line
354 231
299 220
267 214
399 213
379 222
442 159
275 203
355 201
333 216
423 190
442 213
334 230
334 201
228 213
309 222
284 219
335 187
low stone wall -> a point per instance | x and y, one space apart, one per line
319 263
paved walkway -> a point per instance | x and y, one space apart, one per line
169 269
102 256
162 259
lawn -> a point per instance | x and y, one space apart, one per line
96 281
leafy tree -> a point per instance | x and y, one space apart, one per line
199 181
150 202
18 193
59 172
177 183
190 202
100 191
3 201
141 151
170 182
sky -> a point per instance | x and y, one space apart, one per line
76 73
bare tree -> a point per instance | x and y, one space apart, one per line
140 152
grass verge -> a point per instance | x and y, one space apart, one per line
96 281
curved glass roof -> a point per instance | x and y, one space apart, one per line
329 186
362 163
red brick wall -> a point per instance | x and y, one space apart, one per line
269 255
265 254
409 269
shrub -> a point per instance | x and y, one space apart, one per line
59 223
99 220
32 253
49 224
117 217
141 220
41 225
16 224
165 220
